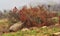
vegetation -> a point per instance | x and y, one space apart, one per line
39 32
32 17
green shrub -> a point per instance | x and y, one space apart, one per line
55 19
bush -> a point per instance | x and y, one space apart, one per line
13 17
55 19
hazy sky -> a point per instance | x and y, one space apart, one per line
8 4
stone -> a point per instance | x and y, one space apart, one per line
44 27
56 34
25 29
16 26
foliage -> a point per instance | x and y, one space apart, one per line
55 19
13 17
38 16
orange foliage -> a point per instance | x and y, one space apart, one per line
31 15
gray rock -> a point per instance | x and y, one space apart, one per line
16 26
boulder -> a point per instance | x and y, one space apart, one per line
56 34
16 26
44 27
25 29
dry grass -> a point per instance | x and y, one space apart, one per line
47 31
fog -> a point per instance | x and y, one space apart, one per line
9 4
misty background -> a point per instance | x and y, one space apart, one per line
9 4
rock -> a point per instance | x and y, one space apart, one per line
33 28
25 29
57 24
16 27
56 34
44 27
